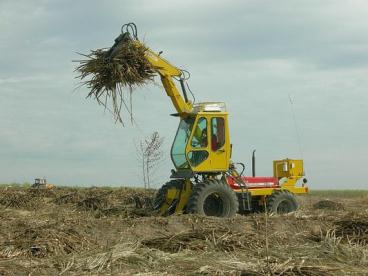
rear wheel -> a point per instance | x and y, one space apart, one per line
213 198
160 198
281 202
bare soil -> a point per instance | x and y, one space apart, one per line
104 231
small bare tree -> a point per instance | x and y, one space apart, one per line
150 155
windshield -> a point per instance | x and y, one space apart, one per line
180 142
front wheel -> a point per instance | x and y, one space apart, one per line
213 198
281 202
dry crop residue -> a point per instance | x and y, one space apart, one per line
71 231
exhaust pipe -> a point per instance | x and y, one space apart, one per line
253 163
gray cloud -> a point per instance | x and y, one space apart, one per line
251 54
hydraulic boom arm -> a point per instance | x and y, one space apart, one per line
167 72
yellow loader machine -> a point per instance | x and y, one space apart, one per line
205 180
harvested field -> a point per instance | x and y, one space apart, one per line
70 231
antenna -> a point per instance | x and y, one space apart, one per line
296 127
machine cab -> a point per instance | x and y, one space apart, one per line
202 142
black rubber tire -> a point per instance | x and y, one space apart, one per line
281 202
213 198
161 194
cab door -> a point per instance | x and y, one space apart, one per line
208 147
219 144
197 149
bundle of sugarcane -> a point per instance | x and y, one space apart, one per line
109 76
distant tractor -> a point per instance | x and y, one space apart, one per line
41 183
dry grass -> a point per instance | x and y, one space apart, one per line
43 240
329 205
109 231
19 199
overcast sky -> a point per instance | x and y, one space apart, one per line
253 55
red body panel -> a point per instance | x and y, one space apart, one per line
257 182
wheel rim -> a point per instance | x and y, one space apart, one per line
213 205
284 207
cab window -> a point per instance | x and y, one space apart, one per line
180 142
217 133
200 139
